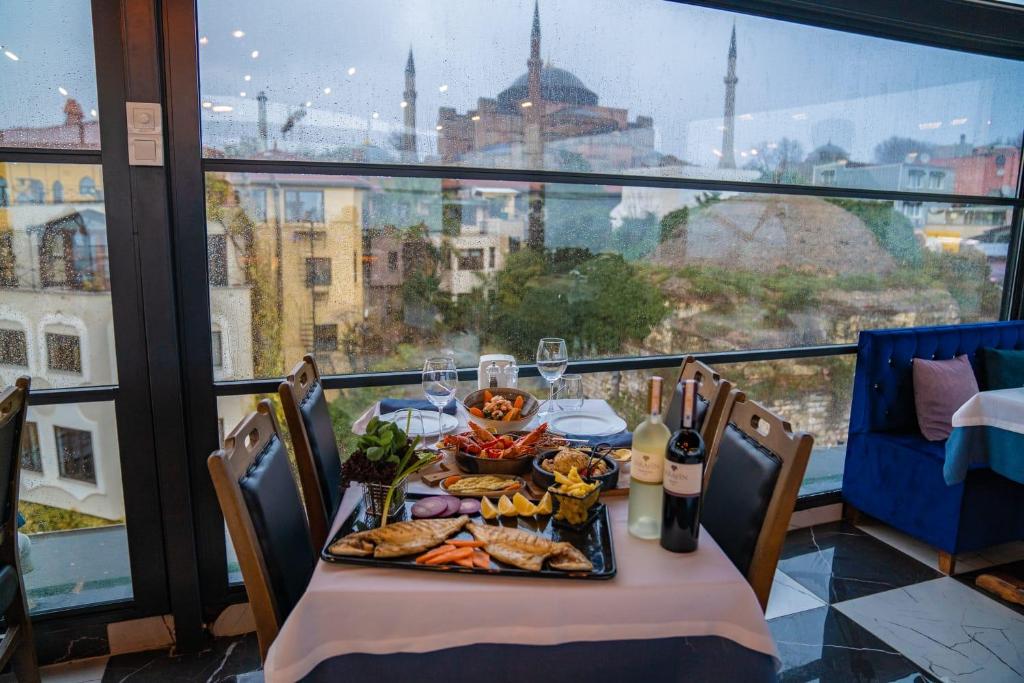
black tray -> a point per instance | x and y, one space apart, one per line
595 542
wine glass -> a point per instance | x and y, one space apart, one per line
552 360
440 381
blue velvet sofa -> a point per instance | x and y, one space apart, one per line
894 474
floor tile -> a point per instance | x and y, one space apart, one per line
823 645
946 628
922 552
839 562
1014 569
224 661
789 597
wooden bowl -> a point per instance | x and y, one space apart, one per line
530 407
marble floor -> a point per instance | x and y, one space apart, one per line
848 604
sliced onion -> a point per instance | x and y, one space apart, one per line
435 506
469 506
453 505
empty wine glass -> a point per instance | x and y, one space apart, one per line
552 360
440 382
571 392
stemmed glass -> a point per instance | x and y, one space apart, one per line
440 382
552 360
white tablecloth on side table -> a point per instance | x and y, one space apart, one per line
656 594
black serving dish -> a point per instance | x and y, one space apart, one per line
594 541
544 479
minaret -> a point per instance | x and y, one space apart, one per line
261 121
728 158
533 139
532 113
409 103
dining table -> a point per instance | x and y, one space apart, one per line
664 616
988 431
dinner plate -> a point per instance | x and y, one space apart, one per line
429 424
585 423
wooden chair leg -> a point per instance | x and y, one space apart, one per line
947 563
852 514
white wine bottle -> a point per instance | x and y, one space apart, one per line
647 467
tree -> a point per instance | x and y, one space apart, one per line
896 150
674 223
779 161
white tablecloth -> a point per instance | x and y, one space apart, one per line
656 594
1002 408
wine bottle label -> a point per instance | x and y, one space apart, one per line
681 480
645 467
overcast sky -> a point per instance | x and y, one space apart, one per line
654 58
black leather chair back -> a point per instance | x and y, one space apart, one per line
674 417
324 447
272 500
738 494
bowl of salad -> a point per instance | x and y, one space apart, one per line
501 410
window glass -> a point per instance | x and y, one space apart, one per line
74 454
72 502
49 62
63 352
617 271
55 276
31 454
694 92
13 347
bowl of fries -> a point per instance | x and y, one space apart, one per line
501 410
574 499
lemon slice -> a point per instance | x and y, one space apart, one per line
487 509
544 506
505 507
524 507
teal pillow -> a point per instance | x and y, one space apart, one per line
1002 369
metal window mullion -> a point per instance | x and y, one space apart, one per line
572 178
411 377
50 156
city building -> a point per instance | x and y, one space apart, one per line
547 118
307 233
989 170
902 177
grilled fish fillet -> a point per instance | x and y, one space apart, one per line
400 538
528 551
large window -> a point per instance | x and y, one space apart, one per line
710 185
693 92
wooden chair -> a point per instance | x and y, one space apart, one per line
265 518
17 645
752 480
713 397
316 450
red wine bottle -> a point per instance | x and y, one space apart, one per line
684 474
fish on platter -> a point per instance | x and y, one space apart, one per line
399 539
529 551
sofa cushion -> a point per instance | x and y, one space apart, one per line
1001 368
940 388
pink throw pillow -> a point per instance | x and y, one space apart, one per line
940 388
